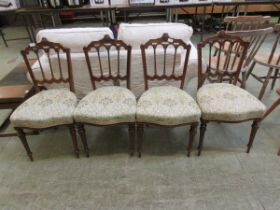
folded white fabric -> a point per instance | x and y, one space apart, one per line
74 38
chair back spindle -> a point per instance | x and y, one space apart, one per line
220 65
255 39
108 60
167 60
53 61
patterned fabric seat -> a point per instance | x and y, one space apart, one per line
106 106
167 105
226 102
45 109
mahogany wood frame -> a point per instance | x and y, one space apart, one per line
46 46
119 45
268 63
232 59
221 38
165 41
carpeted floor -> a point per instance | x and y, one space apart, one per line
224 177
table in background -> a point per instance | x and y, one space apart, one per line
28 13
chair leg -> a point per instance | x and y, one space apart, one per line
255 127
3 38
243 79
82 133
23 140
265 83
191 138
274 78
74 140
131 132
203 126
250 70
279 152
140 130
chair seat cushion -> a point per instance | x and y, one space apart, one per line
167 105
226 102
106 106
45 109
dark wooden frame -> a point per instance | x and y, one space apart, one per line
272 67
222 37
165 41
108 43
46 46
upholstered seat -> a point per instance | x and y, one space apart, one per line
106 106
226 102
167 105
46 109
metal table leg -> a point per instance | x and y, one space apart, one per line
176 15
3 37
222 16
203 23
27 28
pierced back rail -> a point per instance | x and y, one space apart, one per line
241 23
220 65
53 61
255 39
108 60
165 58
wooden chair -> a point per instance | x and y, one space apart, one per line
108 60
245 23
241 23
255 39
271 61
48 108
222 102
166 106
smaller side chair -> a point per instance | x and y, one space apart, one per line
271 61
108 60
222 102
166 106
255 38
48 108
241 23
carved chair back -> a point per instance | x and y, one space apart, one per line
255 39
241 23
168 60
53 64
108 60
220 65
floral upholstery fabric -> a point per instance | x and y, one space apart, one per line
227 102
45 109
167 105
107 105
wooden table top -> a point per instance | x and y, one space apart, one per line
85 8
14 93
